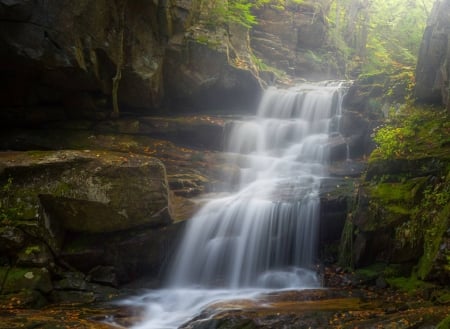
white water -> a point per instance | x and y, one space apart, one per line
264 235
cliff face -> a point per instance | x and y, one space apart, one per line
295 40
433 67
68 52
62 59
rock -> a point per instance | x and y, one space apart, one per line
63 57
104 275
294 40
381 283
12 239
32 279
206 132
67 53
433 69
72 297
87 191
35 255
209 82
21 299
121 253
73 288
71 281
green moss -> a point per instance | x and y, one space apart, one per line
433 238
371 272
443 298
444 324
32 249
414 133
61 189
407 284
392 191
346 245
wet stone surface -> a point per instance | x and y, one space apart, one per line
316 308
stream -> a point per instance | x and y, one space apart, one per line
262 236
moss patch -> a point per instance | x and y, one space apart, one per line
444 324
408 284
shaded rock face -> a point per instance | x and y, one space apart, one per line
208 64
91 191
294 40
92 208
433 67
59 60
66 53
199 78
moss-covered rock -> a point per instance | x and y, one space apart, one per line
19 279
402 215
87 191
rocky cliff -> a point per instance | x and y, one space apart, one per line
433 67
65 59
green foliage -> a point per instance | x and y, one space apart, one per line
240 11
434 214
32 249
346 245
378 35
262 66
407 284
413 132
392 141
419 136
444 324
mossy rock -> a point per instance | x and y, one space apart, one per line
22 299
19 279
409 284
444 324
90 191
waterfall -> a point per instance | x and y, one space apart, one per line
264 234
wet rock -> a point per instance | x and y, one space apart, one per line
87 191
66 53
121 253
381 283
35 255
32 279
71 281
72 297
23 299
104 275
12 239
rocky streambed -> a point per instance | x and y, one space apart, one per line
349 306
62 281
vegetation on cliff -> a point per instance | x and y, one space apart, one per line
402 215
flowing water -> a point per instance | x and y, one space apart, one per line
264 234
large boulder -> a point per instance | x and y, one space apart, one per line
86 191
433 67
85 209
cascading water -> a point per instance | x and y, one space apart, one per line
263 235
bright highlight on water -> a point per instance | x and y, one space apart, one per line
265 234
